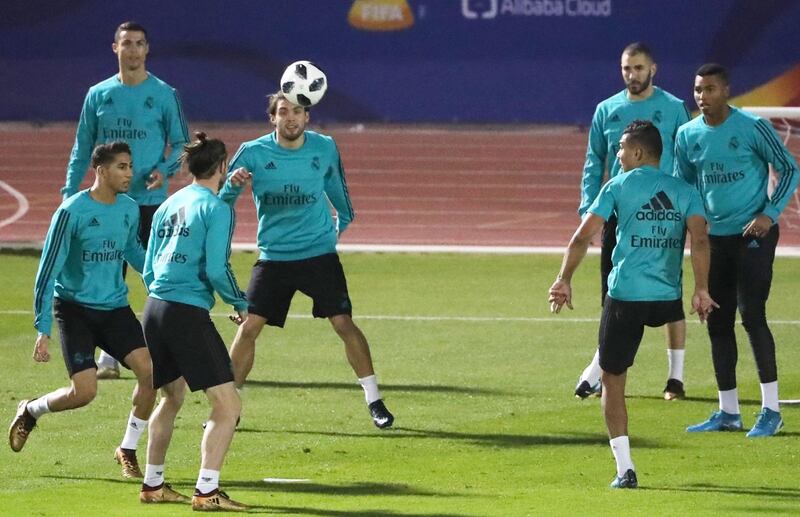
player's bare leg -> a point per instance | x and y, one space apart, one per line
243 349
358 355
144 398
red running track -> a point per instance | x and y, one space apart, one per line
409 185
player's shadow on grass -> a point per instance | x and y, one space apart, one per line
758 491
410 388
486 439
361 488
303 510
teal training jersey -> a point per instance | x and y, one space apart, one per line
729 166
190 245
651 208
147 116
293 191
83 253
611 117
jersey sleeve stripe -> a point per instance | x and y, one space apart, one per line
773 142
228 272
52 254
350 210
181 118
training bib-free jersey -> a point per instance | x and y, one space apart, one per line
293 190
611 116
190 246
82 256
147 116
729 165
651 208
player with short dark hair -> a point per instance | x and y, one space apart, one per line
297 175
640 99
137 107
91 233
187 260
726 153
654 211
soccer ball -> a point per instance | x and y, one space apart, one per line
303 83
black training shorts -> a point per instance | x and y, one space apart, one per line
273 284
184 342
82 329
622 326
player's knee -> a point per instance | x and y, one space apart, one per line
754 318
250 329
343 324
83 394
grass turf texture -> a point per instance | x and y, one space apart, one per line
486 421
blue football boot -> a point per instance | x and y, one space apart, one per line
718 421
768 423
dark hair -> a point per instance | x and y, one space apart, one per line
204 155
713 69
645 134
104 154
129 26
272 102
638 48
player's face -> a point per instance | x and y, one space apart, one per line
629 155
117 174
290 120
131 49
637 72
711 94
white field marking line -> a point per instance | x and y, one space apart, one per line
285 481
22 204
466 319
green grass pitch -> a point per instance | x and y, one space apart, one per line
480 378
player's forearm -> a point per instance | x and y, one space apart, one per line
701 260
578 246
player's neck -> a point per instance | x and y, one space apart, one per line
645 94
102 194
211 183
132 77
293 145
716 119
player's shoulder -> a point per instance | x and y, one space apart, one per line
618 99
693 126
154 82
319 140
75 202
127 203
743 117
668 97
104 86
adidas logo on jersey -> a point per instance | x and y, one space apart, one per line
94 222
271 166
108 102
697 147
614 118
659 208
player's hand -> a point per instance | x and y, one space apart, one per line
155 180
560 294
238 318
703 305
758 227
40 352
240 177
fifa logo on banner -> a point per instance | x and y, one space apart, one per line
380 15
472 8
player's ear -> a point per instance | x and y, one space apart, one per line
653 69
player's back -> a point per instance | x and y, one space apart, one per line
175 268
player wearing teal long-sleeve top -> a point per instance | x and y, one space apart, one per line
640 100
725 153
187 261
90 235
297 176
136 107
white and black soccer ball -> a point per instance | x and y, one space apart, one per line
303 83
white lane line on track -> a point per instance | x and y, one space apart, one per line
22 204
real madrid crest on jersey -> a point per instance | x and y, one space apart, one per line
733 144
126 221
149 102
315 163
657 117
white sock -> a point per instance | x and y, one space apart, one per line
675 363
38 407
729 401
370 385
621 448
591 373
107 361
769 396
133 431
153 475
207 481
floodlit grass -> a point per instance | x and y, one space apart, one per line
479 376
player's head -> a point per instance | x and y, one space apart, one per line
289 119
638 68
711 88
206 157
639 145
113 166
130 45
